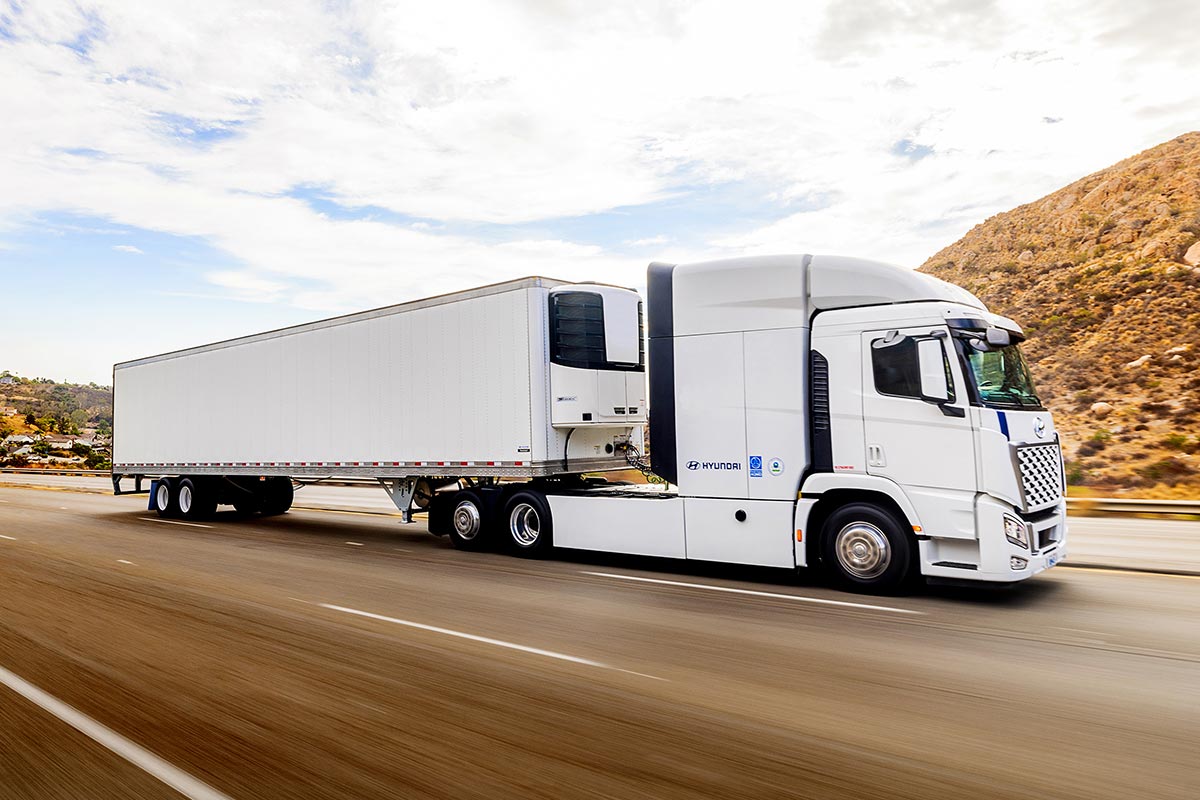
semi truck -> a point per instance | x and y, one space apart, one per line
802 411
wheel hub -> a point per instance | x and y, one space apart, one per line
467 520
863 550
525 525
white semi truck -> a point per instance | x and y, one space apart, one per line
804 410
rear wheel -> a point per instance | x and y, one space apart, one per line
196 499
866 548
277 495
468 521
166 498
527 520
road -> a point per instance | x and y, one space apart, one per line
332 654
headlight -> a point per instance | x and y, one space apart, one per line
1016 532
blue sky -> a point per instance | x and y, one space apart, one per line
177 173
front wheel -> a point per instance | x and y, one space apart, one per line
866 548
527 520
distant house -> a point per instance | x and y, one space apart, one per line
60 444
8 411
19 439
23 451
7 380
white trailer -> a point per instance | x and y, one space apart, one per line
805 410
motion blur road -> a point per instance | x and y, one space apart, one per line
338 654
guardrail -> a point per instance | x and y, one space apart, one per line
1082 506
1079 506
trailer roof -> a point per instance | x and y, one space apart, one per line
535 281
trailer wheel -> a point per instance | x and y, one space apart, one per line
166 498
866 548
196 499
530 531
468 521
277 495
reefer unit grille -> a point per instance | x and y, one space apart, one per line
1041 475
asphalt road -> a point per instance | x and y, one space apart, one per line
332 654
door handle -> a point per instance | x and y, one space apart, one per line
875 456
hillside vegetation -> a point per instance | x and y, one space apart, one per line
1104 275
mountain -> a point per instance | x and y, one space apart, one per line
1104 276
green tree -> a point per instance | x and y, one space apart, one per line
80 418
42 448
97 461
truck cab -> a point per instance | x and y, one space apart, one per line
894 410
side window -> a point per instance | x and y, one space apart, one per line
897 370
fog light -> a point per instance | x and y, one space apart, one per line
1016 532
1016 562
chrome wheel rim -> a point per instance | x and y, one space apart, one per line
185 499
467 521
162 498
863 550
524 524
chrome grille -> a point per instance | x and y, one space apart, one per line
1041 474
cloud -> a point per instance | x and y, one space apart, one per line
128 248
464 154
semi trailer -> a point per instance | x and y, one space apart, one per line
802 411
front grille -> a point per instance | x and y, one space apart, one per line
1041 474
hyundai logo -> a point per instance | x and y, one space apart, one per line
693 465
1039 427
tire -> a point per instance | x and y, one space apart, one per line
196 499
469 523
277 495
166 498
866 549
527 523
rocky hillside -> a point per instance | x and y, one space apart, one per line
1104 275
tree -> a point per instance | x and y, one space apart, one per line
80 418
29 418
42 448
97 461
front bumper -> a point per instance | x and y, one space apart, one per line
990 556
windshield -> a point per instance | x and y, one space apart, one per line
1001 376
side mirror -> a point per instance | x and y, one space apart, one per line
998 337
934 387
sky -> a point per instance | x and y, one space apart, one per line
173 173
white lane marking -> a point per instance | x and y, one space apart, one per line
63 508
171 775
402 549
485 640
123 561
795 597
10 538
355 544
175 522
